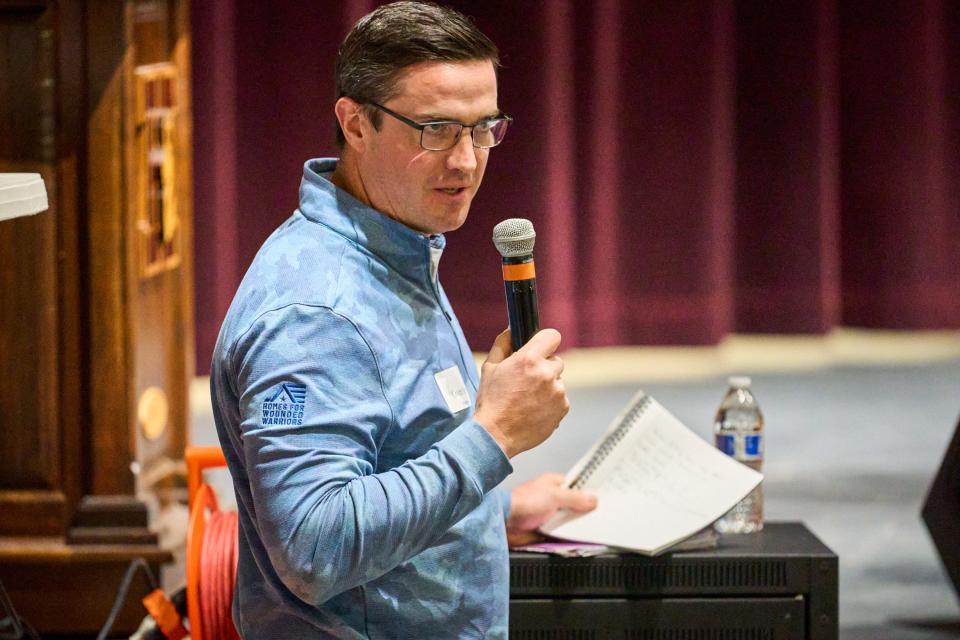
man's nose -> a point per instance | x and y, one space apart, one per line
463 155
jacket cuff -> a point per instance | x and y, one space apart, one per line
479 455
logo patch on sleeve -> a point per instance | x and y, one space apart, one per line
285 405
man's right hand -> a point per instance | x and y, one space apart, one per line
521 398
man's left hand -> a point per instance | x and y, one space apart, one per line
533 503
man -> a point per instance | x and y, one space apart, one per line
343 388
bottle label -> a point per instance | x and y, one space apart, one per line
725 443
746 447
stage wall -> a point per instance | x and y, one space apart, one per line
692 168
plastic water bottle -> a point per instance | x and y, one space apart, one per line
738 432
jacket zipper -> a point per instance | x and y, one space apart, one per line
435 286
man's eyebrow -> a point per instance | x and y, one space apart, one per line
433 117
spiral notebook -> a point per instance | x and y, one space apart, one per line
657 483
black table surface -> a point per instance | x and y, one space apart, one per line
779 539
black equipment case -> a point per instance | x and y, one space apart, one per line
779 584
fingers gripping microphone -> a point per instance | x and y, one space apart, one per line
514 240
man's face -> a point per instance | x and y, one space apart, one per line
429 191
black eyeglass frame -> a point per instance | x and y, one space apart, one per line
420 126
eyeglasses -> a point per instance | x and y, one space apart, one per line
440 135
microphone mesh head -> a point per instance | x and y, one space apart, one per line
514 237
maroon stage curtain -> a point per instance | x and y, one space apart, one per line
692 168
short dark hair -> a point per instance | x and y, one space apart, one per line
395 36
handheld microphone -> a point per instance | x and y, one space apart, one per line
514 240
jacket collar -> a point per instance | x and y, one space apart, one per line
405 250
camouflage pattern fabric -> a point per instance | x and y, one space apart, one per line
367 502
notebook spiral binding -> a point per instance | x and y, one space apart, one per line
630 418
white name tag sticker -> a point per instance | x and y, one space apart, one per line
454 391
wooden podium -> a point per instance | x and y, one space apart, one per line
95 297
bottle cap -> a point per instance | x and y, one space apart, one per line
739 382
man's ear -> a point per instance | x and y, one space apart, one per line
353 122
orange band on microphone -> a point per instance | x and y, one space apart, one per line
523 271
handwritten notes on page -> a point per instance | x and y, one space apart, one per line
656 482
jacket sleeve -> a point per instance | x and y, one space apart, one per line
506 501
328 521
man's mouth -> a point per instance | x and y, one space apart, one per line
452 190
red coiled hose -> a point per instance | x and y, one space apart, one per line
218 574
211 567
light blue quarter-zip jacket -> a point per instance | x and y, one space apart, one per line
365 489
